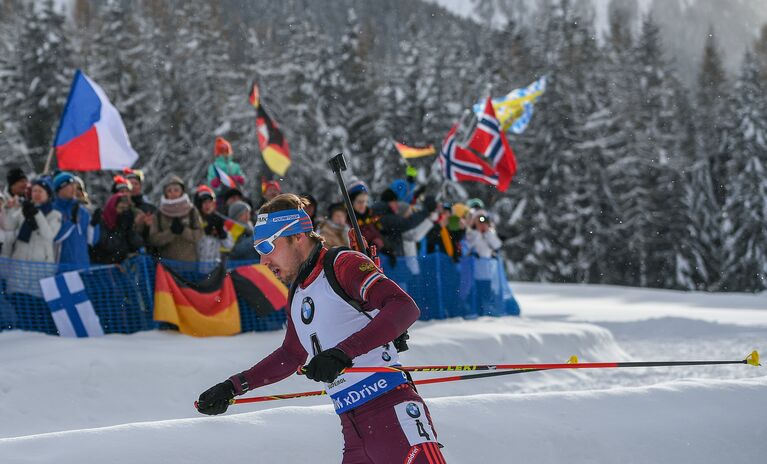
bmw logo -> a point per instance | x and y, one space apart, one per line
385 356
412 410
307 310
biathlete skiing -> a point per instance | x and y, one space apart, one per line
383 418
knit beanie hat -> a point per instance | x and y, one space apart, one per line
137 174
15 175
121 184
237 208
388 195
45 182
399 187
270 184
230 193
475 203
173 179
222 147
459 209
356 187
203 193
62 179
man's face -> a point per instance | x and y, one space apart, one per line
286 259
339 217
19 188
122 206
39 195
270 193
67 192
173 191
208 206
244 217
135 186
361 203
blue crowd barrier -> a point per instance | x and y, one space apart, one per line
123 295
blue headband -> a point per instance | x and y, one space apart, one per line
268 224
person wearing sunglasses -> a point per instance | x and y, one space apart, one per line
327 329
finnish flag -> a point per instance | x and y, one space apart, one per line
70 306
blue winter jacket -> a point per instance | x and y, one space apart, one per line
73 237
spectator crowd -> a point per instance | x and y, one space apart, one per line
49 224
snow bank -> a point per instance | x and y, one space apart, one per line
51 384
702 422
606 303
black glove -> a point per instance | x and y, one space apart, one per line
215 399
31 223
176 226
75 210
429 203
209 229
327 365
217 224
96 216
28 209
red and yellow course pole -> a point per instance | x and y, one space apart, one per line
495 370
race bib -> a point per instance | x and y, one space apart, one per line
414 422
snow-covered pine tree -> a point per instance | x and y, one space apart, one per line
293 76
346 99
556 184
760 52
711 98
11 142
43 65
745 211
650 196
700 256
201 81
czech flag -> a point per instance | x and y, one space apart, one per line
91 135
225 179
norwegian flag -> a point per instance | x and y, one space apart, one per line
489 141
461 165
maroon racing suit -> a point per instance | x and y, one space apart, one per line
395 427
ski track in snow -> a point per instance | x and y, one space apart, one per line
127 398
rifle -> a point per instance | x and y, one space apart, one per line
337 165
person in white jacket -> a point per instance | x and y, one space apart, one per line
481 237
6 236
483 245
35 225
33 257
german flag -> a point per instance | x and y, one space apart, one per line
271 142
201 309
260 288
234 228
414 152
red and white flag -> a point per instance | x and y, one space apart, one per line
489 141
462 165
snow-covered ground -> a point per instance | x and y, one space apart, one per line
129 398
